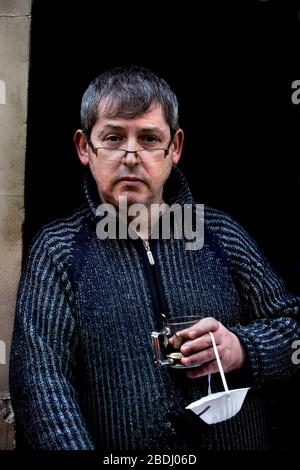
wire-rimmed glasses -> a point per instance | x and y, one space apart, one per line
117 154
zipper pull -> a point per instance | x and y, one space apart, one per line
149 252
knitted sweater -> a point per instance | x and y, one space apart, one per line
82 373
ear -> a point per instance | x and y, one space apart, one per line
80 140
177 146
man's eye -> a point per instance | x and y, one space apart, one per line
150 139
112 138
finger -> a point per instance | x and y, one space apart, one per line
202 357
209 368
203 326
176 341
196 345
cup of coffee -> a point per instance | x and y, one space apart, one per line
165 353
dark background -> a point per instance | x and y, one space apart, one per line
231 64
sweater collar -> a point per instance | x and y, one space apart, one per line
176 190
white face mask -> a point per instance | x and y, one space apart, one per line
217 407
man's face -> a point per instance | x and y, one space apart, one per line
140 181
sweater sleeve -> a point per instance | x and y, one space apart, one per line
43 358
270 322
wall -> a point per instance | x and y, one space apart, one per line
14 57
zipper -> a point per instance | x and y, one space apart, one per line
159 306
149 252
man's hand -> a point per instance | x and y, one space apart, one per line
197 348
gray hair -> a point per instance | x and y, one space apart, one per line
128 92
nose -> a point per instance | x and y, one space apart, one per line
131 158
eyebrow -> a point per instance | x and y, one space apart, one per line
144 129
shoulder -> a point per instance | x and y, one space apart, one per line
217 219
230 233
58 237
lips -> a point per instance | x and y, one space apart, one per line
131 179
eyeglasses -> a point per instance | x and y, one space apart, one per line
143 155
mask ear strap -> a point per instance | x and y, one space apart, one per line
218 361
209 385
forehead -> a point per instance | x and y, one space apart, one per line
153 117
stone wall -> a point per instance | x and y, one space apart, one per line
14 57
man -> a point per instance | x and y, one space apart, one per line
82 369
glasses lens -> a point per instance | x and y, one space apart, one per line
143 155
153 155
111 154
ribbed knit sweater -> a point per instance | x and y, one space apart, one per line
82 373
